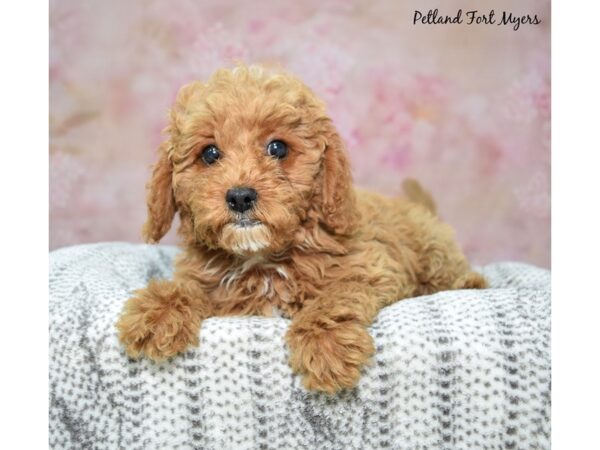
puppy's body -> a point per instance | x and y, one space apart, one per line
306 245
395 251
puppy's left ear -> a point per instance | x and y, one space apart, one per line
338 206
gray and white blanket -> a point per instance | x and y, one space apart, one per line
454 370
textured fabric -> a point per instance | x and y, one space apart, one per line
455 370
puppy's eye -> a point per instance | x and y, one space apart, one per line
210 154
277 149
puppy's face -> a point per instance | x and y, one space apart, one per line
252 158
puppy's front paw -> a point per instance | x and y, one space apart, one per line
329 359
158 323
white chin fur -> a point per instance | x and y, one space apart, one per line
244 240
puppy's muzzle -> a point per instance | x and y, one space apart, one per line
241 199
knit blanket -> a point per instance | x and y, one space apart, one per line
454 370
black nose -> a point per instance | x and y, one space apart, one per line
241 199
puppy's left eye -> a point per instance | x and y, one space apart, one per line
277 149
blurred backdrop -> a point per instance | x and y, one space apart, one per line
465 109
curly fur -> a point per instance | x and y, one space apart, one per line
324 254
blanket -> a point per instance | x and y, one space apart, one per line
454 370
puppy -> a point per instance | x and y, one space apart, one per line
271 225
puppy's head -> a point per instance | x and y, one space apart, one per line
251 159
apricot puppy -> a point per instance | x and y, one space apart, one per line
270 224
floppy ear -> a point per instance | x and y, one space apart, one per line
338 205
160 200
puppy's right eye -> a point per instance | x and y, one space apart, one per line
210 154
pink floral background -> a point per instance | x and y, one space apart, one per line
465 109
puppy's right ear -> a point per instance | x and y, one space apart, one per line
160 200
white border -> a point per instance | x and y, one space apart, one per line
575 224
24 224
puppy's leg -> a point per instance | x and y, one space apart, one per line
162 320
470 280
329 340
442 265
450 275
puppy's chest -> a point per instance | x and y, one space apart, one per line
258 287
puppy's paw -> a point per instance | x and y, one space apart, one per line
158 323
329 359
471 280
